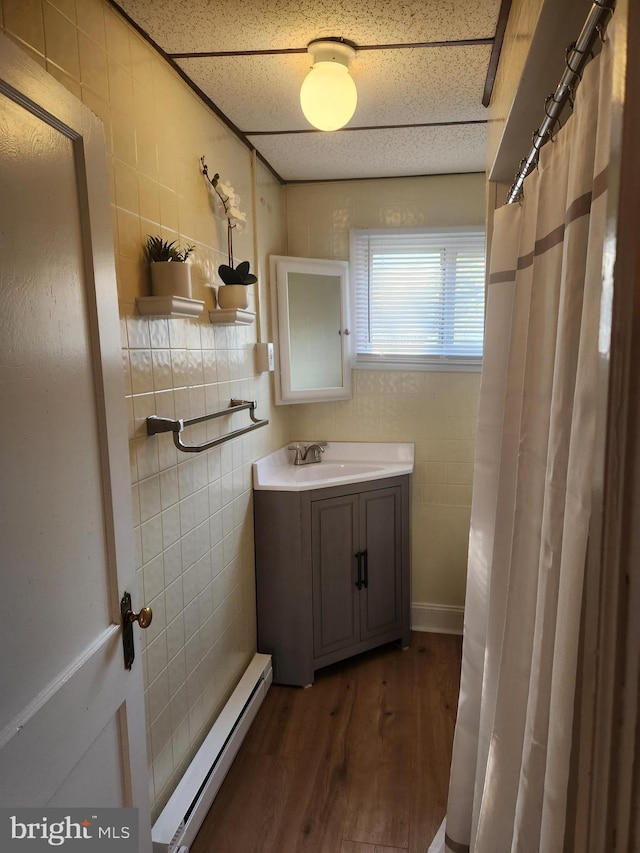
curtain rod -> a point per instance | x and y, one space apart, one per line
577 56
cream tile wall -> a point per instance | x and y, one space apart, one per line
193 512
435 410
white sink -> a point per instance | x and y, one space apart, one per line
330 470
342 462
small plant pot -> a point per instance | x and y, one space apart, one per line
233 296
171 278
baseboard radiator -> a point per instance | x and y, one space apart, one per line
182 817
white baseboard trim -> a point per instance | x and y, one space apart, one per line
437 618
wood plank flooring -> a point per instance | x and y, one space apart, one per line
358 763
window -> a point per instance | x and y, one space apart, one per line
418 297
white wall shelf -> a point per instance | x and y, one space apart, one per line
232 316
169 306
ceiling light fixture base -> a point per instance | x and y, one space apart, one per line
332 49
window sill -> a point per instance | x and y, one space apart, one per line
440 365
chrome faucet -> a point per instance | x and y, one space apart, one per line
306 455
315 450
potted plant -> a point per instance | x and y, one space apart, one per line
235 279
170 274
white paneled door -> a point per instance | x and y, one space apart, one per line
71 716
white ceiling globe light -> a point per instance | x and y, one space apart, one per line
328 95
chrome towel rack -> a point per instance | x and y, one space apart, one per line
157 425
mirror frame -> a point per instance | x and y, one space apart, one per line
280 267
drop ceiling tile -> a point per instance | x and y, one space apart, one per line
417 85
375 153
201 25
255 92
261 93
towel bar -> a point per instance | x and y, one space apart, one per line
157 425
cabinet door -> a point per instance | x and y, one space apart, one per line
334 543
380 537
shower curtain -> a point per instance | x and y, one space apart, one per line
532 494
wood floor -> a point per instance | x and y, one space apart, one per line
358 763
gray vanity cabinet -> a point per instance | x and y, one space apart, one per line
332 573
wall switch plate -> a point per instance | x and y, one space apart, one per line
265 358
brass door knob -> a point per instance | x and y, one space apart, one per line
143 618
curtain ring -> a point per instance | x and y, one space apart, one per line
538 136
519 198
571 49
556 120
547 101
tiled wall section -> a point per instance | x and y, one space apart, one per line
437 411
193 514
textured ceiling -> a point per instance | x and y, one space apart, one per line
401 84
377 153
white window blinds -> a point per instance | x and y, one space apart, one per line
419 295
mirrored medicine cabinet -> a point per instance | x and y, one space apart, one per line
311 318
